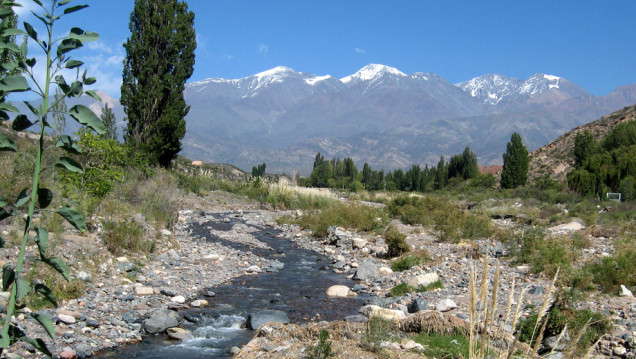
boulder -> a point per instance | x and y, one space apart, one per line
178 333
366 271
159 323
624 292
371 311
256 319
340 291
417 304
66 319
423 280
445 305
359 243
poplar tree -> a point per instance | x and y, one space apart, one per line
108 117
159 60
516 163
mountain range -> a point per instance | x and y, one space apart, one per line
380 115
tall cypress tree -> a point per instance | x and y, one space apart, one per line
516 163
159 60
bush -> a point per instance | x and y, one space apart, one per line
403 288
125 235
322 349
352 216
396 241
610 272
409 261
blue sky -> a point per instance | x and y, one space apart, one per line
591 43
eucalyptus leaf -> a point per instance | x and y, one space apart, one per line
39 2
5 11
93 94
23 197
73 217
8 277
69 164
34 110
68 45
7 144
41 239
45 197
83 36
23 288
45 322
46 293
66 142
14 83
21 122
90 81
10 46
59 265
86 116
71 64
30 31
71 9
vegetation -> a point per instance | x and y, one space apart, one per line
258 171
35 198
396 242
409 261
110 122
404 288
159 60
352 216
516 163
322 349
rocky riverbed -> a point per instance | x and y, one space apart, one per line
128 297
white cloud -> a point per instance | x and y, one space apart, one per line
263 49
360 51
25 9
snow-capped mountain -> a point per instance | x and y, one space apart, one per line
497 89
380 115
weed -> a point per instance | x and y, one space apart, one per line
403 288
444 346
396 242
610 272
409 261
322 349
125 235
352 216
379 330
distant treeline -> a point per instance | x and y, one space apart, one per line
344 174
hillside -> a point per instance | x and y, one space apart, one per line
557 158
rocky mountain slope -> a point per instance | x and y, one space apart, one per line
557 158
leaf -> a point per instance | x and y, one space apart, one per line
10 46
13 32
66 142
83 36
8 277
34 110
14 83
5 11
8 107
45 322
73 217
90 81
21 122
74 8
76 89
63 2
38 344
69 164
23 197
45 197
23 288
39 2
31 31
30 62
71 64
59 265
86 116
4 214
3 202
43 290
1 242
93 94
41 239
6 144
68 45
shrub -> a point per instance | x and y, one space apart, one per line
403 288
378 330
125 235
396 242
352 216
409 261
610 272
444 346
322 349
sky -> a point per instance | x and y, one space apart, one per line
591 43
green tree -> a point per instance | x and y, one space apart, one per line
159 60
108 117
258 171
516 163
584 148
59 113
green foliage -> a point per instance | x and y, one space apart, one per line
125 235
352 216
322 349
623 135
59 113
584 147
379 330
258 171
484 181
396 242
516 163
444 346
403 288
409 261
110 122
463 166
610 272
35 198
159 60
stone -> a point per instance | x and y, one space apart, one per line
385 271
417 304
253 269
445 305
126 267
536 290
68 354
624 292
367 271
66 319
72 313
199 303
619 351
359 243
178 333
159 323
551 342
83 351
423 280
144 291
275 266
83 276
166 233
213 257
256 319
388 314
409 344
340 291
178 299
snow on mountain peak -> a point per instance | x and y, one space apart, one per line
276 72
371 72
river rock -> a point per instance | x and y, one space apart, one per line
445 305
624 292
423 280
159 323
178 333
340 291
199 303
367 271
253 269
385 271
178 299
68 354
359 243
417 304
255 320
66 319
144 291
388 314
